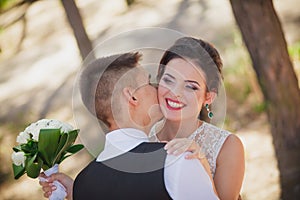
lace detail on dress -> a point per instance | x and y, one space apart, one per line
209 137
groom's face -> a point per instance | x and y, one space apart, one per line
146 95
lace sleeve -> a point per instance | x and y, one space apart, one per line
211 139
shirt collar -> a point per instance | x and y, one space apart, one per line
121 141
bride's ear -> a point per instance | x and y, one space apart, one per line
128 94
210 97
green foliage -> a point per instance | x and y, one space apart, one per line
18 171
238 87
6 3
33 166
3 3
47 145
260 107
294 51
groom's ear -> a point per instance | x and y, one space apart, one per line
128 93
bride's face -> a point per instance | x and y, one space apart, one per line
181 91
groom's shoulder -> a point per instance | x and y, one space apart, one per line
149 146
89 166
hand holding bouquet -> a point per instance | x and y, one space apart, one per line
44 145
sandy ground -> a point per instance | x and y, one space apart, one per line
36 81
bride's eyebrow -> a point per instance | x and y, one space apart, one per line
191 81
187 81
169 75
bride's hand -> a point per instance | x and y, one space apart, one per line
179 145
48 186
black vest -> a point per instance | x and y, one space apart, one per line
135 175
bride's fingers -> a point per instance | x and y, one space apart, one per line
177 142
180 150
43 183
177 148
47 194
201 155
193 147
49 188
191 156
196 155
43 175
170 144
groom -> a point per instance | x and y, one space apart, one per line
130 167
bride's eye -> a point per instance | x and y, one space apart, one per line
167 80
192 87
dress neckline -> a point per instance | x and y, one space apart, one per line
198 130
159 125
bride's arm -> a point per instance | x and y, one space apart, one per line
230 168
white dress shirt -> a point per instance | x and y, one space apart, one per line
184 179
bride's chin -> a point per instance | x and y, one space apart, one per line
155 113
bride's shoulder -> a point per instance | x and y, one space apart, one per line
232 147
210 128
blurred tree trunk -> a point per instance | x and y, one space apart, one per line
264 38
75 20
130 2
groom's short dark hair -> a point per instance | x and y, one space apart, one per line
98 80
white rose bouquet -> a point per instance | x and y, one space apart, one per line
44 145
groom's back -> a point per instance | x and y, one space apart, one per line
138 174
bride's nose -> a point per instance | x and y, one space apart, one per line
177 91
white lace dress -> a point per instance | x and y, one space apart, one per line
209 137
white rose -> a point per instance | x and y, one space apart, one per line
35 134
23 137
34 128
56 124
65 128
18 158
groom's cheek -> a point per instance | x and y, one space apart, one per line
155 113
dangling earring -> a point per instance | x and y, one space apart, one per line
209 113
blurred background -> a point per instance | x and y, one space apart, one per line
43 43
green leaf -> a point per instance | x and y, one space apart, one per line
18 171
30 148
17 148
33 168
66 156
75 148
62 142
47 145
71 137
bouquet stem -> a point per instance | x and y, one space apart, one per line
60 192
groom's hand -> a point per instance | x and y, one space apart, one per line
48 186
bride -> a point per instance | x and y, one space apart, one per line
189 76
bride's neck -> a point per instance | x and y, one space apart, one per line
179 129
